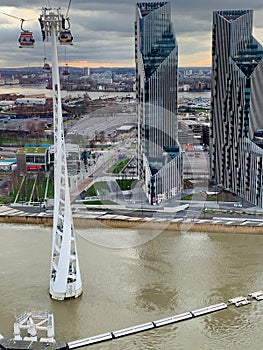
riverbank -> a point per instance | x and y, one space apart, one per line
144 223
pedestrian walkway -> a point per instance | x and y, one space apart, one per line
80 187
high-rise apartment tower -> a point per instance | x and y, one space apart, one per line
237 105
156 56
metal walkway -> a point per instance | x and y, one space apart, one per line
238 301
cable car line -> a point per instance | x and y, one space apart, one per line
7 14
65 71
19 18
46 67
68 8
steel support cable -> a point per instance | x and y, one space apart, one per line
69 3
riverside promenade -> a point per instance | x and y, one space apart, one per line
174 219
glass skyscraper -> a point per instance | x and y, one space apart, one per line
156 55
237 105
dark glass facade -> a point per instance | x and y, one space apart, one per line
156 54
237 105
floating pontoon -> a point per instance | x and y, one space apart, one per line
208 309
239 301
257 295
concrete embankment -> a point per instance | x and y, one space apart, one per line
31 220
141 224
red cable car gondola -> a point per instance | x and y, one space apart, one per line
26 37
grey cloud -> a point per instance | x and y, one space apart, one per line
105 30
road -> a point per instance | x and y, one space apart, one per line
195 166
90 124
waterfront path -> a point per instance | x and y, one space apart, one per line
121 216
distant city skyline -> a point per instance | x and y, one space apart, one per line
104 32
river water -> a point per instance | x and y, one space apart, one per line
171 273
35 89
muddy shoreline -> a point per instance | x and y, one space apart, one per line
141 224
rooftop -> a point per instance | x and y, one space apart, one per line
32 150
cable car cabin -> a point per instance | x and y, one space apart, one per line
26 39
65 72
65 38
46 68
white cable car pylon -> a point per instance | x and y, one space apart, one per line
65 277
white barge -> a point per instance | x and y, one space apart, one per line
239 301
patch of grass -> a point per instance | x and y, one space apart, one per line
42 188
118 166
125 184
50 191
15 141
6 200
101 185
91 192
201 111
97 187
26 190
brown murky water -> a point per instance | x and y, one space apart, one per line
169 274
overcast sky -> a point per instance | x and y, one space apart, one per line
103 31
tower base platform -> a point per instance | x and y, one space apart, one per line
11 344
65 296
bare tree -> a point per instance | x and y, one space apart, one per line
40 127
31 127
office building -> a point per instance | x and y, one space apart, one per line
156 56
236 138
